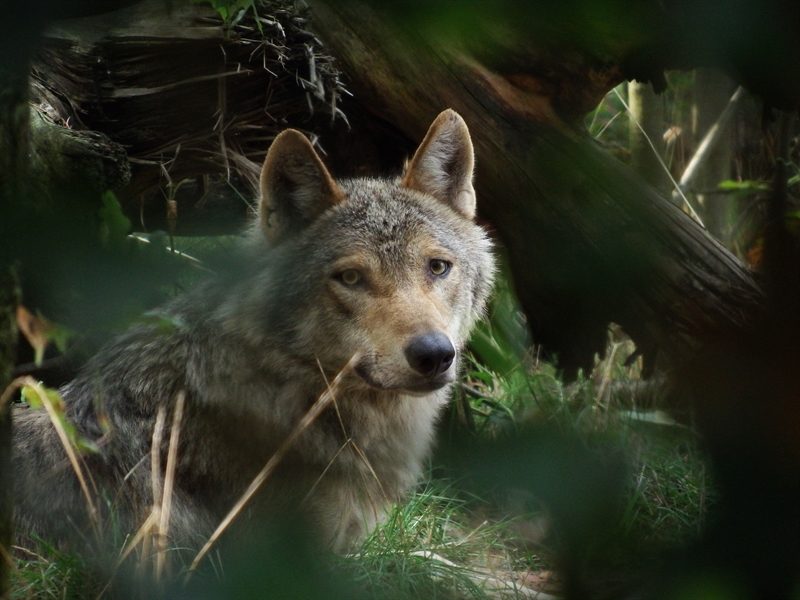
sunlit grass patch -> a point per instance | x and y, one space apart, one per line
440 545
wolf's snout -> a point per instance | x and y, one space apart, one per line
430 354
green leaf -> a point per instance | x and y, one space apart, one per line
748 186
115 225
60 335
164 324
230 9
32 397
490 352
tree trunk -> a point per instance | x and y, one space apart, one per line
71 159
187 95
20 26
588 241
9 299
13 178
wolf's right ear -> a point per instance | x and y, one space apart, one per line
295 187
442 165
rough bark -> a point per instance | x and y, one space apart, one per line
65 158
187 95
588 241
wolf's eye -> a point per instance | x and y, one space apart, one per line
439 267
350 276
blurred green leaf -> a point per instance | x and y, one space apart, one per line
115 225
231 10
54 398
164 324
490 352
747 186
60 336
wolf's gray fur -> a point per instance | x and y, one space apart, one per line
394 271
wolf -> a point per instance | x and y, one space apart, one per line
387 275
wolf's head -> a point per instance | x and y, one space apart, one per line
395 271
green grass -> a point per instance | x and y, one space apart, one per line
439 545
46 573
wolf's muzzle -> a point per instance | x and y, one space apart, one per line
430 354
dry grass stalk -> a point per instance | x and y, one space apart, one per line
324 471
141 534
156 525
156 487
169 479
491 585
348 442
606 377
311 415
28 381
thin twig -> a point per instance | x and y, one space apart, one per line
606 376
324 471
155 456
194 261
675 184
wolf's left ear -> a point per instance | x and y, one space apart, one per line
295 186
442 165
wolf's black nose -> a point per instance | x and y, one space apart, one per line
430 354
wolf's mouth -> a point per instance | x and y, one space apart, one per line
419 385
431 385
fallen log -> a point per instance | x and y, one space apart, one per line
187 94
589 242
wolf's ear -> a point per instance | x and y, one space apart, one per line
295 186
442 165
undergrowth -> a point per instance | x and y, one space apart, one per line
446 541
452 539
